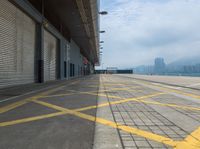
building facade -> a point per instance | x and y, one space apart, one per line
44 40
159 65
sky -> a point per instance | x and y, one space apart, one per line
138 31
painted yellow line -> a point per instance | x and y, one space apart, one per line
128 129
170 90
102 95
96 94
92 86
90 93
113 85
24 101
12 106
170 105
75 82
24 120
58 95
190 142
120 89
138 99
30 119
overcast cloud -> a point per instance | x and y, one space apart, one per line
137 31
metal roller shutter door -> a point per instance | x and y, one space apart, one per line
17 46
50 48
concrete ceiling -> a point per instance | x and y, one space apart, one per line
78 20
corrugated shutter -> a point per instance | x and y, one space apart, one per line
17 46
50 48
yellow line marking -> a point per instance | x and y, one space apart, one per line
30 119
128 129
138 99
24 120
90 92
24 101
15 105
120 89
170 90
57 95
96 94
170 105
190 142
12 106
113 85
92 86
119 101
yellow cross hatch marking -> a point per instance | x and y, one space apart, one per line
170 90
25 101
192 141
128 129
24 120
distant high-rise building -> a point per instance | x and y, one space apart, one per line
159 65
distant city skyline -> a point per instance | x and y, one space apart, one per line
161 68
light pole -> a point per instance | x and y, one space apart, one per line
102 32
103 12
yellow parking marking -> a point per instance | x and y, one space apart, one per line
23 102
75 82
128 129
91 93
170 90
30 119
139 99
12 106
113 84
58 95
118 102
92 86
96 94
190 142
170 105
102 95
24 120
120 89
153 102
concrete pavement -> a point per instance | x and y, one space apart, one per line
182 81
131 114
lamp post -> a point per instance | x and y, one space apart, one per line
102 31
103 12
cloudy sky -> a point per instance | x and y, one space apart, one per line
137 31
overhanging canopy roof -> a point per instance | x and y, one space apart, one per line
76 19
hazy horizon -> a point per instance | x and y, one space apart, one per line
138 31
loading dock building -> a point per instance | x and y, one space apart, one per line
43 40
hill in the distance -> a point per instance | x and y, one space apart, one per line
186 61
